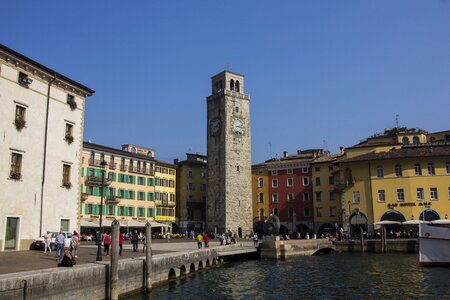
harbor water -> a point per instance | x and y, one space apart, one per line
334 276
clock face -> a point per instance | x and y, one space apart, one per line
238 126
214 126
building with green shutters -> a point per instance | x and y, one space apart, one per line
134 190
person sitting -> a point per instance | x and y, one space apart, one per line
68 260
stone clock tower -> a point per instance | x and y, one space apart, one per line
229 186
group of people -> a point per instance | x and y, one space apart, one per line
227 239
66 257
202 238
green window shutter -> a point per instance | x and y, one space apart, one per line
126 178
148 182
81 208
114 177
95 209
114 210
114 192
125 210
97 173
81 188
133 179
96 191
85 208
143 196
88 171
126 194
132 211
82 172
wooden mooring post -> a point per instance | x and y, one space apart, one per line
148 257
114 279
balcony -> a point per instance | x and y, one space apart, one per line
146 171
113 200
112 166
165 203
123 167
95 162
97 180
341 185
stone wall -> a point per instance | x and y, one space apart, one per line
374 246
279 249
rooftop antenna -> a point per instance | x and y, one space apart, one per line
396 120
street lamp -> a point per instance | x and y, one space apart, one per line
349 229
100 233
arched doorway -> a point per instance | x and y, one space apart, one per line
393 215
430 215
358 220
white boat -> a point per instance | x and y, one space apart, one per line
434 244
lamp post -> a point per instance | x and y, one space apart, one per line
349 229
100 233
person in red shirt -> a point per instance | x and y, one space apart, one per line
120 243
106 243
206 240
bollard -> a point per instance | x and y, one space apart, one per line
361 232
114 279
148 257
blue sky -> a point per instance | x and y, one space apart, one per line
320 73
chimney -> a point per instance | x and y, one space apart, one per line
285 154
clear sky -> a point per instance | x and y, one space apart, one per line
321 74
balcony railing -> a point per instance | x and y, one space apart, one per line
341 185
97 180
95 162
113 199
123 167
112 166
147 171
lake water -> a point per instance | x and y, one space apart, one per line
334 276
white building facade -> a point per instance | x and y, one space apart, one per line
41 122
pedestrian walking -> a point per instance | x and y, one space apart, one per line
120 243
206 240
135 240
60 241
255 239
106 243
74 243
199 240
47 242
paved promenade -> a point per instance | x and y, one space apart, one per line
19 261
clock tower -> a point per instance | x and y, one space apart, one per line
229 187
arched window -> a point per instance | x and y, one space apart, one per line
232 84
261 198
416 140
220 85
275 212
261 214
291 212
237 87
405 140
217 86
306 211
260 182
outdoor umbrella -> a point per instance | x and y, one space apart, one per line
441 221
414 222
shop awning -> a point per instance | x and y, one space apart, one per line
85 223
133 223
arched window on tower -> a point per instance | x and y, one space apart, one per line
220 85
416 140
237 87
231 84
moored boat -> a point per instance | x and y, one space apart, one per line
434 243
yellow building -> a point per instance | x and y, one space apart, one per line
165 192
137 187
397 181
191 192
260 192
327 207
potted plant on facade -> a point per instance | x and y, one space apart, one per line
69 138
72 103
15 175
19 122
